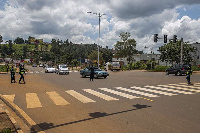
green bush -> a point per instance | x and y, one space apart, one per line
6 130
139 65
3 68
195 68
160 68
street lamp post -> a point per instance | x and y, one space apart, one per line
99 15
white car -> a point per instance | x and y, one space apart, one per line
50 69
62 69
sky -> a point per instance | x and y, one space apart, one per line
68 19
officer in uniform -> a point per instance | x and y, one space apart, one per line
12 73
21 72
189 73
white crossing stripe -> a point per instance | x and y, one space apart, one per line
79 96
186 86
10 97
183 92
183 88
119 93
70 71
57 99
75 71
164 89
32 100
154 91
137 92
30 72
36 72
183 83
100 95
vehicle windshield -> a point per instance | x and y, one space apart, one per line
63 66
97 69
50 67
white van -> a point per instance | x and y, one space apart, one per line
62 69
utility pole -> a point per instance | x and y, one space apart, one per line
99 16
181 50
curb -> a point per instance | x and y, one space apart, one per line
20 113
13 121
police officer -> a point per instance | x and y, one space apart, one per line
12 73
91 73
21 72
189 73
7 67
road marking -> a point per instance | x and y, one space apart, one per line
182 88
70 71
136 92
32 100
164 89
119 93
10 97
36 72
100 95
79 96
186 86
183 92
154 91
75 71
57 99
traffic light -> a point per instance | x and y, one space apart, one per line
174 38
155 37
165 38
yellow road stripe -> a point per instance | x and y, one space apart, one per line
57 99
79 96
32 100
10 97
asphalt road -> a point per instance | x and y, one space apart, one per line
120 103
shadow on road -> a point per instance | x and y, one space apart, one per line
46 126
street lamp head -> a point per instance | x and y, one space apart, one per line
89 12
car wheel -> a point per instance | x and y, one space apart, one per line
95 76
167 73
83 75
105 76
179 73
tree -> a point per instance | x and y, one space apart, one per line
19 40
126 47
1 39
171 52
93 56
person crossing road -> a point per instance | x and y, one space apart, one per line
12 73
22 72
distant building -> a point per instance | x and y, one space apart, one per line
196 60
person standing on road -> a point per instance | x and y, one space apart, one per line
22 72
91 73
12 73
7 67
189 73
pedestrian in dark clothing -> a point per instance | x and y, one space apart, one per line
7 67
22 72
189 73
91 73
12 73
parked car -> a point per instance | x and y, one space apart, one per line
177 69
50 69
62 69
97 72
34 65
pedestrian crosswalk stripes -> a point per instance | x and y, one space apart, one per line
109 94
10 97
57 99
32 100
179 91
80 97
119 93
137 92
100 95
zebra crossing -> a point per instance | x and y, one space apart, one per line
110 94
43 72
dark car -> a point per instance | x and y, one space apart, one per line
34 65
97 72
177 69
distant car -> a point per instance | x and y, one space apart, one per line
97 72
50 69
34 65
41 65
177 69
62 69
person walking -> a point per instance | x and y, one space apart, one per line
12 73
7 67
91 73
188 74
22 72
